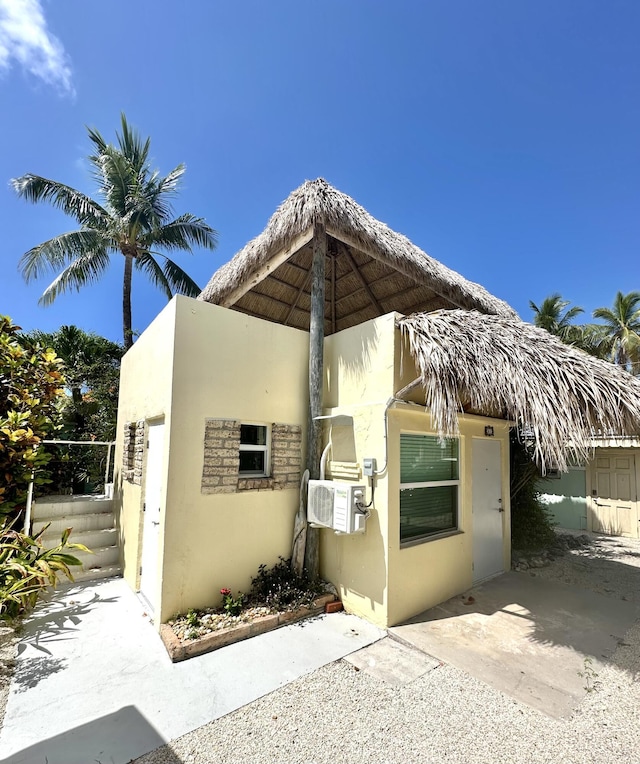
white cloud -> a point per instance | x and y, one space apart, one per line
24 39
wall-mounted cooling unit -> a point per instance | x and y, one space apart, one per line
336 505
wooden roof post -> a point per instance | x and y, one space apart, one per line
316 380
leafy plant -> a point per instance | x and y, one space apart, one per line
32 386
590 676
232 605
531 526
279 588
27 568
193 618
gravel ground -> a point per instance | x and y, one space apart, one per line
338 714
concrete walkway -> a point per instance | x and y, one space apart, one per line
94 682
525 636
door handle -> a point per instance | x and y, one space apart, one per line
154 522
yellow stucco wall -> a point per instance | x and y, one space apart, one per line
359 378
226 365
428 573
200 361
145 393
377 579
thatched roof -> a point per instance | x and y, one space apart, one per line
499 367
370 269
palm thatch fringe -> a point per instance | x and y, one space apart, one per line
316 202
511 370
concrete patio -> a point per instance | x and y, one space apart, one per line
94 682
525 636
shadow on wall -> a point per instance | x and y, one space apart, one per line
118 737
354 357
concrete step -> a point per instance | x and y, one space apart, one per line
93 574
92 539
98 557
57 506
80 523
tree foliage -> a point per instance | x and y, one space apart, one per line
133 218
32 387
620 328
91 366
531 526
556 317
615 337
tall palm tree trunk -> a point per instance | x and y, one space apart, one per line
126 302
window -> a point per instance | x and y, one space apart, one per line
429 486
254 450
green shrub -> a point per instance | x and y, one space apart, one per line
279 588
27 569
531 525
31 386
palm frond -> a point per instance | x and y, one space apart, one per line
160 190
57 252
181 282
169 277
147 263
182 233
133 147
84 270
82 208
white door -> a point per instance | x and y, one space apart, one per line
613 492
149 574
488 510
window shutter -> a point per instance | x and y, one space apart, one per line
424 458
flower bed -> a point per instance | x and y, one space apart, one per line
183 640
277 597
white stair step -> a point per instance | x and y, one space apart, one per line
98 558
93 574
91 539
56 506
90 522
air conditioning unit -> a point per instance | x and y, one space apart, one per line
320 503
336 505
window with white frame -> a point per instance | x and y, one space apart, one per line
254 450
429 486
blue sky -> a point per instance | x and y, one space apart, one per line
501 137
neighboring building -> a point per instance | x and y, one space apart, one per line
214 402
600 494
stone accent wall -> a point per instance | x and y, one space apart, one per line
133 451
221 449
286 455
220 471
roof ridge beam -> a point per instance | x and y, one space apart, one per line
266 268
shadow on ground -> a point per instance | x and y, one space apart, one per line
110 739
533 636
57 619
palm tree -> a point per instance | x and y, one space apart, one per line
621 326
88 358
553 316
133 219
